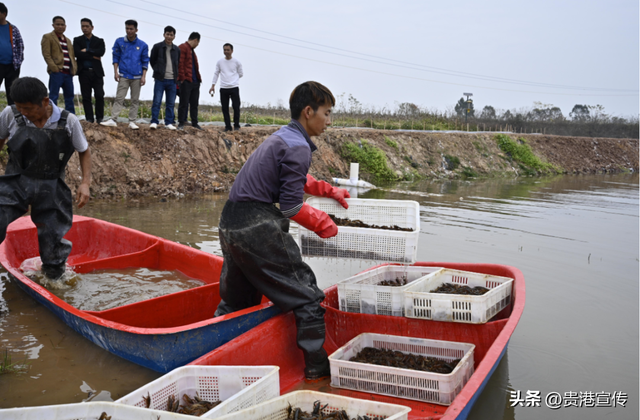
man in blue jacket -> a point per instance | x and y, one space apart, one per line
130 63
11 52
260 255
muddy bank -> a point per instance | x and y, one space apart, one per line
167 163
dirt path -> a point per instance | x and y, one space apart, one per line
167 163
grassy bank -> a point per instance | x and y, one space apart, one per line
405 117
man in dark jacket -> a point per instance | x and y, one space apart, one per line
89 50
189 80
260 255
164 61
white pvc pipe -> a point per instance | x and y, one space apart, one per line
354 172
351 183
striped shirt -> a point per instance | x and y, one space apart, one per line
66 69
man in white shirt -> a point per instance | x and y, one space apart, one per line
230 71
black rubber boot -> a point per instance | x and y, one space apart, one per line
316 366
53 272
310 340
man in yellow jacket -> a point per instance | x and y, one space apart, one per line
57 51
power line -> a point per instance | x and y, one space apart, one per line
352 67
421 67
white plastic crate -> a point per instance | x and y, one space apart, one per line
277 408
89 411
417 385
362 294
420 303
365 243
238 387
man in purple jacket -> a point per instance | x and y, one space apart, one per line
260 256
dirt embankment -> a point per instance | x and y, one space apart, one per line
167 163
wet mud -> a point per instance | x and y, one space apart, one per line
458 289
397 359
360 224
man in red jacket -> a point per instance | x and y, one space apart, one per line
260 255
189 81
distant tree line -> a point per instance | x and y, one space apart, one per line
583 120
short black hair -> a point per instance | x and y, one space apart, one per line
169 29
228 45
194 35
86 20
57 17
131 22
311 94
28 90
3 9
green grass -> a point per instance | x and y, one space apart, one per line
371 159
7 367
452 162
390 142
468 172
521 153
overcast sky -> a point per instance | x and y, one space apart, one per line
508 53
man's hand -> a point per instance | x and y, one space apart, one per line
82 195
83 50
116 76
212 90
143 80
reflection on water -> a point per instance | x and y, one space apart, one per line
575 238
100 290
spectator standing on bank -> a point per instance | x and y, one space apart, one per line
230 71
89 50
164 61
189 80
11 52
130 63
61 63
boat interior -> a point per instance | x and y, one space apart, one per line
99 245
274 343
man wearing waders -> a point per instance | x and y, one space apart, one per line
42 138
260 256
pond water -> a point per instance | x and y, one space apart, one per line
575 238
100 290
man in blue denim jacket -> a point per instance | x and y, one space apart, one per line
130 63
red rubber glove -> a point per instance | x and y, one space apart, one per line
316 220
324 189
